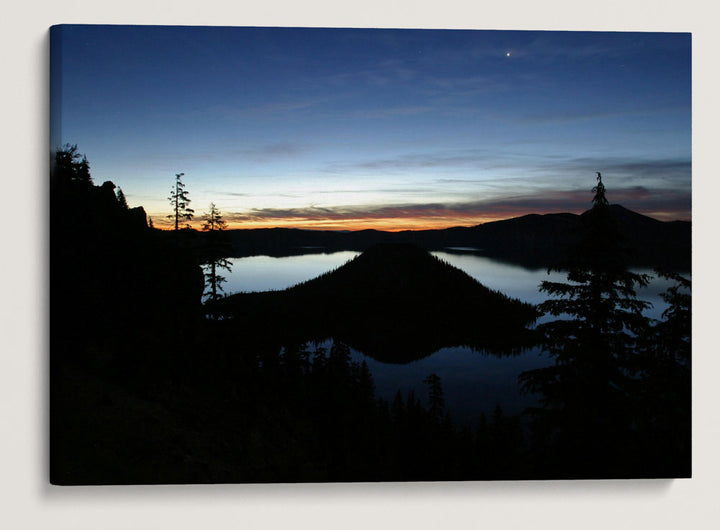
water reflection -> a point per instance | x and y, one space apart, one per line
513 280
523 283
473 382
266 273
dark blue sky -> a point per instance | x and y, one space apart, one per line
349 128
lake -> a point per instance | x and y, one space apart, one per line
473 382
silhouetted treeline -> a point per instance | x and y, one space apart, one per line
294 415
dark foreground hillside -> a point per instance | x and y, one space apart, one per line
394 302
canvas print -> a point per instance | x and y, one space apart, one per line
335 254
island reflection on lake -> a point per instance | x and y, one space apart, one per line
473 382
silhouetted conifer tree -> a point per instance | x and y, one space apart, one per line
366 385
339 360
180 203
216 250
398 407
71 167
675 329
587 392
436 401
83 172
214 220
666 393
121 198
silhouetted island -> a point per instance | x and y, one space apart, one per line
394 302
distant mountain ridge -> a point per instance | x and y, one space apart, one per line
533 240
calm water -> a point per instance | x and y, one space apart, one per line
473 382
264 273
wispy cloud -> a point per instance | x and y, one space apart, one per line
231 193
568 115
243 111
374 191
551 201
668 170
263 153
455 158
391 112
637 198
486 160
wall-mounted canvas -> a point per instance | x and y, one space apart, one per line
368 255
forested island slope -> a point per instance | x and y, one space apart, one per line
394 302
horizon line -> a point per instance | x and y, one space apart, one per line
358 224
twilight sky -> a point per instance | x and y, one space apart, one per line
389 129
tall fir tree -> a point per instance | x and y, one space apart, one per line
587 394
180 203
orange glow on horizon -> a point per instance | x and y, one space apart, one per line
386 224
354 224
